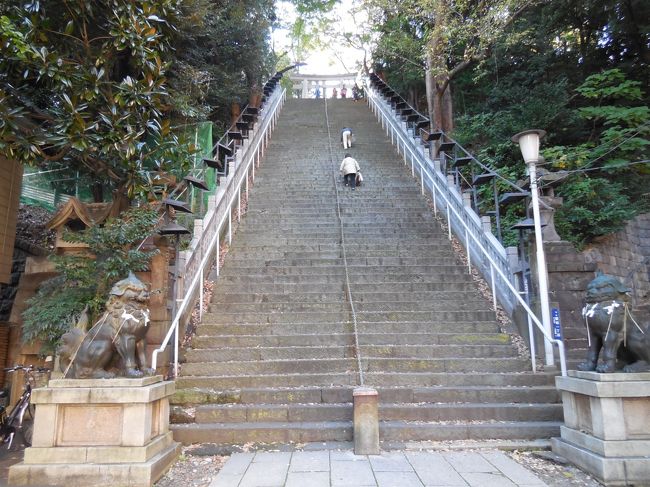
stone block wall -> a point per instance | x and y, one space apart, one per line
626 255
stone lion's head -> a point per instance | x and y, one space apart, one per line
606 288
130 290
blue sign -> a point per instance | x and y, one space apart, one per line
555 323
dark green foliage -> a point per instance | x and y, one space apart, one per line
82 86
84 280
52 311
592 207
222 56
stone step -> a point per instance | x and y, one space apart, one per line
479 394
267 432
339 270
455 431
327 328
349 378
226 297
470 303
252 413
345 316
222 287
306 432
346 351
338 365
356 279
353 261
320 339
282 245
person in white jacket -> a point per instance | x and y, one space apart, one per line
349 169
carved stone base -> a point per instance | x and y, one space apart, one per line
606 431
99 431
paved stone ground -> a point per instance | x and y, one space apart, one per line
335 465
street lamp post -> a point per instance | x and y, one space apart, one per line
529 144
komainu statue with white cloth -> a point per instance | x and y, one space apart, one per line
612 328
115 345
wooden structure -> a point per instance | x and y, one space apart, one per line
10 179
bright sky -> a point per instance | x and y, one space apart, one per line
335 60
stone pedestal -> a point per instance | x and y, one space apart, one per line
607 427
99 432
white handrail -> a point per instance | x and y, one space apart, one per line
400 136
240 174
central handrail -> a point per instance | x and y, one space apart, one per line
470 235
223 208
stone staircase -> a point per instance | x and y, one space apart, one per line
274 359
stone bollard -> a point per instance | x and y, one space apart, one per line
366 421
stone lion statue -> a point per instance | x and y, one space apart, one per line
609 324
115 345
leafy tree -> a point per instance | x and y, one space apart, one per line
592 207
82 86
222 56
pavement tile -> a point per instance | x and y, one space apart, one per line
265 474
485 479
466 462
390 462
397 479
226 480
511 469
308 479
237 463
434 470
337 455
310 461
352 474
272 456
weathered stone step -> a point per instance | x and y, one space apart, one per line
470 412
229 413
335 287
207 328
337 365
281 245
470 303
363 232
356 279
301 296
334 261
507 430
343 394
268 432
202 341
349 378
217 317
356 270
269 367
346 351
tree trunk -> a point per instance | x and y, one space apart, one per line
431 91
447 111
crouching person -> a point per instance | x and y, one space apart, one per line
349 169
